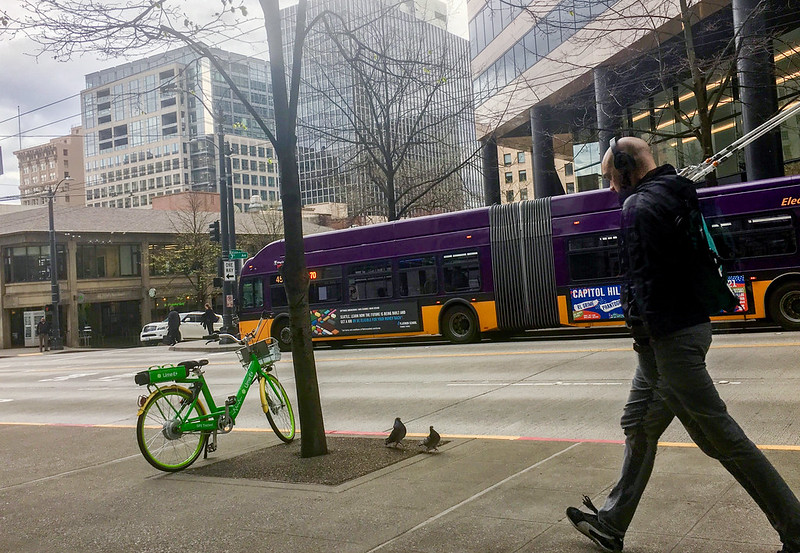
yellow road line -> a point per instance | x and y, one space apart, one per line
540 352
771 447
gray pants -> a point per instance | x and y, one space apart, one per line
671 380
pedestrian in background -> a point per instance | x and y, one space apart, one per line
209 318
173 327
672 334
43 332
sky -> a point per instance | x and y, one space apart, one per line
47 93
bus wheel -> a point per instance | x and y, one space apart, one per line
282 333
784 306
459 325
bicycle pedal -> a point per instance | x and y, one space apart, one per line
230 401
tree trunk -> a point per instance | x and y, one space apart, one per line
295 274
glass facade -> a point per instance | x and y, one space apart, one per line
553 29
421 86
108 261
32 263
663 114
148 131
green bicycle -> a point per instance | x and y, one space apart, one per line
174 425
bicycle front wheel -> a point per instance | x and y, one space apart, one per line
158 432
277 407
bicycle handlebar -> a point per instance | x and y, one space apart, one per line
217 335
244 340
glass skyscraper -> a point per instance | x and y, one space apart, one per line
148 130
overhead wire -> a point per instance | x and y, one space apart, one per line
23 133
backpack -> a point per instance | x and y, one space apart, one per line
711 283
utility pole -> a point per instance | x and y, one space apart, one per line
224 209
55 296
232 213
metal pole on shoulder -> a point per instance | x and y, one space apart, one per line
224 208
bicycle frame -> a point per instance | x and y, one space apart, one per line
210 421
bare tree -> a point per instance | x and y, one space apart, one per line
396 99
64 27
260 228
193 257
674 49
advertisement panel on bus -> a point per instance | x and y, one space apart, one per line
602 303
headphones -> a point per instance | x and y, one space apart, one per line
623 161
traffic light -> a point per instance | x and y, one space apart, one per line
213 231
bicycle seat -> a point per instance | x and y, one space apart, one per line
192 365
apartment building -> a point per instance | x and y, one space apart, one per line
56 166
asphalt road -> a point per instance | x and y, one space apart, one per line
563 389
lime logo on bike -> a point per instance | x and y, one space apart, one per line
163 374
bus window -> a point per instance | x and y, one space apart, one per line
325 285
593 257
417 276
367 281
277 293
759 236
461 271
252 292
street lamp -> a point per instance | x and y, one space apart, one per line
56 342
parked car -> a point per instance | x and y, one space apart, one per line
191 328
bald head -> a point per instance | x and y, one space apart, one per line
636 161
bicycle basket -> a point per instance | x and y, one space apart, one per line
267 351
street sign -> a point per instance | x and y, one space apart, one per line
229 272
238 254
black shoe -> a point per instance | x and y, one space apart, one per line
589 525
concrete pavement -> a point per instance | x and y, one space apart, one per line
87 489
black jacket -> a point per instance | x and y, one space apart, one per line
209 317
173 320
658 295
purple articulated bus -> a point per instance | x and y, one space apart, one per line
534 264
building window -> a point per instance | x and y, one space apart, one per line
520 157
506 159
509 177
32 263
108 261
509 196
523 176
523 194
568 170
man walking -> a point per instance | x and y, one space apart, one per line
672 334
173 327
208 319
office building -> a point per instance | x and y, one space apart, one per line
380 130
559 79
149 129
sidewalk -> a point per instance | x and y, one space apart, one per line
88 489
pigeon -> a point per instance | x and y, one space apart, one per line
431 443
397 434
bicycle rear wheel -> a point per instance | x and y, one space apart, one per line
277 407
158 434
